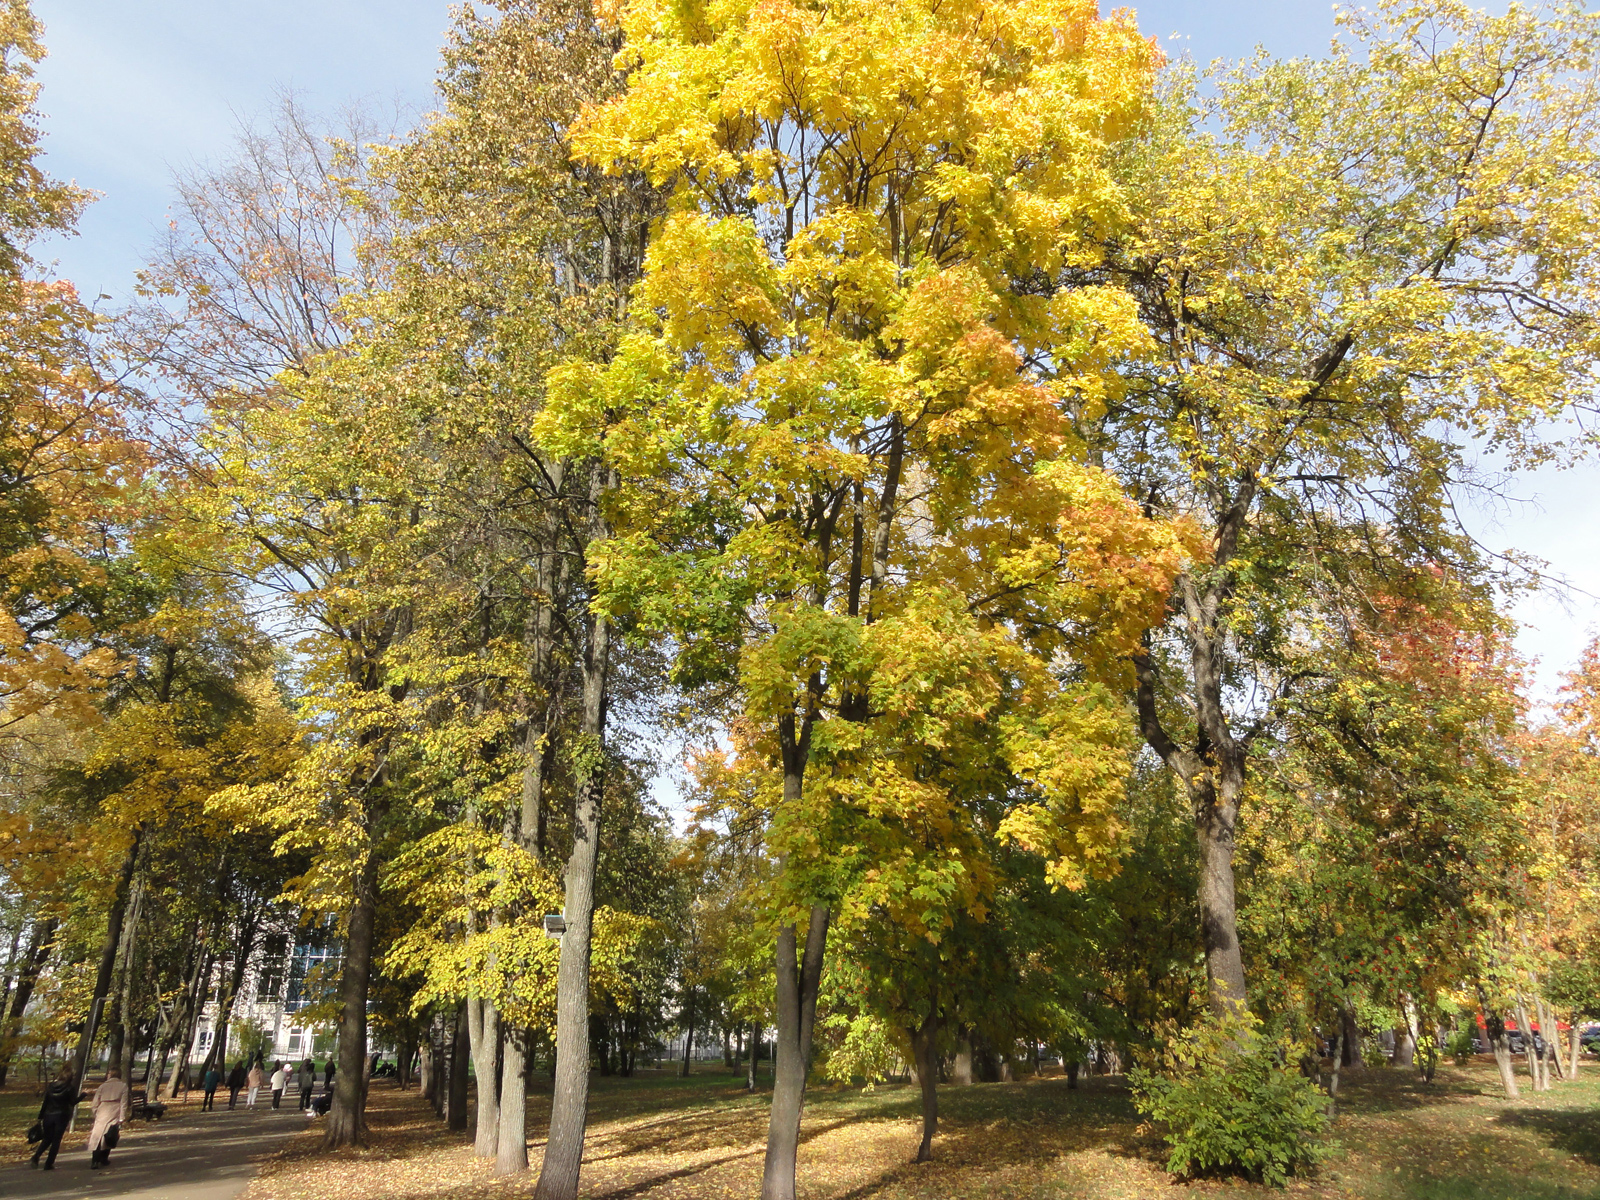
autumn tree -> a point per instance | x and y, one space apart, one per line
514 257
851 485
1334 262
66 452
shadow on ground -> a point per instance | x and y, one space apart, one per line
1575 1131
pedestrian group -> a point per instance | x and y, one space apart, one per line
106 1104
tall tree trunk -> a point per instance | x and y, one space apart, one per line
924 1052
40 942
1333 1078
249 925
459 1037
961 1070
1529 1049
1211 766
539 748
347 1117
483 1024
1405 1044
798 984
181 1072
755 1054
12 964
427 1073
563 1155
511 1150
127 1033
1499 1043
688 1034
108 953
1550 1035
177 1023
1212 783
1215 817
1352 1055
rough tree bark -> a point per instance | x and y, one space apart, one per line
563 1156
427 1072
798 984
1212 775
1351 1056
924 1052
1536 1079
346 1119
457 1117
122 1054
961 1067
483 1026
1499 1043
527 827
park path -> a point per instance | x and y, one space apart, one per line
187 1156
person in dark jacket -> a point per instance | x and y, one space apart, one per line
55 1114
210 1082
327 1077
236 1082
306 1077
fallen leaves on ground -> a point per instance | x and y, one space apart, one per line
704 1139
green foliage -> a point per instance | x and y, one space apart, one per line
1459 1045
250 1038
1232 1104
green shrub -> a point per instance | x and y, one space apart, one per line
1232 1105
1459 1045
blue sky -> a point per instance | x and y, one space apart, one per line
135 90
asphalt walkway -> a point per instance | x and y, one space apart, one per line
186 1156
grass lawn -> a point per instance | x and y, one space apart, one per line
703 1138
18 1108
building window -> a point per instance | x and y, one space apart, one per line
294 1042
270 978
313 968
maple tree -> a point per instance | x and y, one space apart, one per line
894 514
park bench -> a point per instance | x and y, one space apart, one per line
142 1108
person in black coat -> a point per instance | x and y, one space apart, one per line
327 1077
305 1077
55 1114
236 1082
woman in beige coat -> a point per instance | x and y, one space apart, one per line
106 1107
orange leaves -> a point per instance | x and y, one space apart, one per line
841 361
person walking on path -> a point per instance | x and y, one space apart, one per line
306 1079
327 1077
236 1078
280 1080
253 1081
213 1077
106 1108
55 1114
